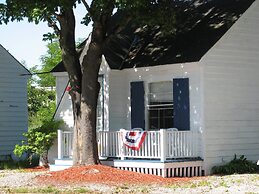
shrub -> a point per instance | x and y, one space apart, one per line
238 165
24 163
39 140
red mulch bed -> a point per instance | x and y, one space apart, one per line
104 175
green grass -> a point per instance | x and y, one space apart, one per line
121 189
223 184
255 177
18 190
143 190
32 190
130 189
49 189
81 190
202 183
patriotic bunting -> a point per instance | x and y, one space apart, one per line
133 139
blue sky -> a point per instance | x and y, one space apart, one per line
24 40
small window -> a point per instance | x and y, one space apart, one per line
160 105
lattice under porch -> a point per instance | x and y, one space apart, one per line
170 168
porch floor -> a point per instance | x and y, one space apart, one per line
186 167
151 160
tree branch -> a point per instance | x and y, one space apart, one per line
53 25
68 48
107 13
87 7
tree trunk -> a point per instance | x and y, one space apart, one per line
71 62
86 140
44 159
84 85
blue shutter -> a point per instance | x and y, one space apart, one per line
137 105
181 103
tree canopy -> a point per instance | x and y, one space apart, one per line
83 69
49 61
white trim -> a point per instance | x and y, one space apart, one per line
60 74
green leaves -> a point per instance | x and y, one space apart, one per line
34 10
41 105
86 20
49 61
2 14
40 139
145 12
238 165
49 37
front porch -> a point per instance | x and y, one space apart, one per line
166 153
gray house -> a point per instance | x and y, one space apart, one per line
13 103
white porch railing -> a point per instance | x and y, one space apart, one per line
163 145
65 143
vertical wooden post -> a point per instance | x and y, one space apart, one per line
99 143
122 150
196 141
60 144
163 146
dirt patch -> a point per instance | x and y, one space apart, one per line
104 175
36 169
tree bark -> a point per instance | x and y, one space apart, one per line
71 62
90 89
84 84
44 159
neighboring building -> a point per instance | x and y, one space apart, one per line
204 81
13 103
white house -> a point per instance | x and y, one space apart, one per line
204 81
13 103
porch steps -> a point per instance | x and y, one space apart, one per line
61 164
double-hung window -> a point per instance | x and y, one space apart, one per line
160 105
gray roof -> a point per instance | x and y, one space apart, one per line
27 71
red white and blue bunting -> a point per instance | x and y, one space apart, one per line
133 139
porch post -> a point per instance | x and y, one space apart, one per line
60 150
122 150
163 146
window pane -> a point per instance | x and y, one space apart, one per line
153 123
153 113
168 112
166 118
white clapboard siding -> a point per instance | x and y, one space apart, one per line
13 102
117 105
119 90
231 90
